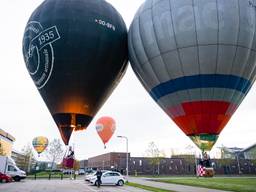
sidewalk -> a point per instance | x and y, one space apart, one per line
172 187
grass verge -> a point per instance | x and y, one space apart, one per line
230 184
147 187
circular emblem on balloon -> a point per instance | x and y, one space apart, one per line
38 51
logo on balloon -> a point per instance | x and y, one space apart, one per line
38 51
99 127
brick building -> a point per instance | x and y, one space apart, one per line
83 164
109 161
183 165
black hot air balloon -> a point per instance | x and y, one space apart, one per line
76 53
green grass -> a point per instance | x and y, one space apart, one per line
231 184
146 187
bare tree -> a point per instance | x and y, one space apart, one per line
29 157
55 151
155 156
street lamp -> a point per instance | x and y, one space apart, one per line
127 156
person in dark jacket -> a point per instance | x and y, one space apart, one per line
71 153
206 160
98 174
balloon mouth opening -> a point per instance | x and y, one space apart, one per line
69 122
205 142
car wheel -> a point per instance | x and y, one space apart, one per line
16 178
120 183
4 181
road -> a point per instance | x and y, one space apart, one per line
169 186
80 185
61 186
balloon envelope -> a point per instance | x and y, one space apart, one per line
76 54
196 59
105 127
40 144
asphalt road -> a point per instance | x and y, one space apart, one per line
61 186
169 186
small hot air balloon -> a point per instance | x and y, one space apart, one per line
105 127
76 54
196 59
40 144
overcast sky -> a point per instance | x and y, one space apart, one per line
24 114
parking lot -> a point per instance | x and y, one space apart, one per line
66 185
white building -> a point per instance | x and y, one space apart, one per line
6 142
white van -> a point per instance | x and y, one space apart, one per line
8 167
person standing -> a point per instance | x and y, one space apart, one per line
98 174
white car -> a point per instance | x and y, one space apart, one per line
81 172
93 174
89 176
109 178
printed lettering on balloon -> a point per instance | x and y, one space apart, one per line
38 51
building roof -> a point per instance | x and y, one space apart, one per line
18 152
237 149
7 135
249 148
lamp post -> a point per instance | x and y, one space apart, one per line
127 156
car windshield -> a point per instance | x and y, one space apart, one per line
17 168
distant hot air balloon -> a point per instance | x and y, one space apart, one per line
105 127
196 59
76 54
40 144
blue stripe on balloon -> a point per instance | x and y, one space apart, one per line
200 81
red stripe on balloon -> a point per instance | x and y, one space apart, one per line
203 117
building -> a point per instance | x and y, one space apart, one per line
176 165
235 152
20 159
113 160
250 152
6 142
46 166
141 165
231 152
83 164
23 161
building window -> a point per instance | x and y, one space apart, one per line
140 162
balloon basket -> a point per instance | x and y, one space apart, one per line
68 163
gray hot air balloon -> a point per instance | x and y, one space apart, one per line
196 58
